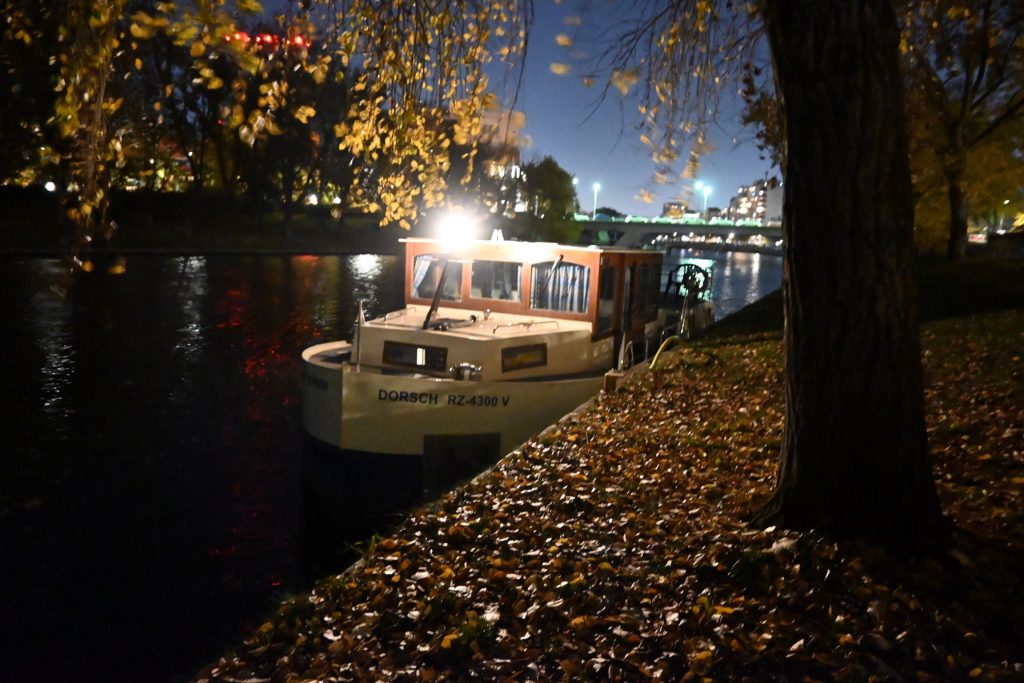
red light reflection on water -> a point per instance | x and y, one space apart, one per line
260 470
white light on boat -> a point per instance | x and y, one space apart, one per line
455 228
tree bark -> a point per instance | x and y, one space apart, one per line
956 249
855 459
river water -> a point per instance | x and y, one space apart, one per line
151 503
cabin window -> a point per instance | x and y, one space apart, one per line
606 300
560 286
499 280
426 273
522 357
416 356
647 281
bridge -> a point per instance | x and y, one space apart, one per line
667 233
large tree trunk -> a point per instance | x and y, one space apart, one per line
957 246
855 456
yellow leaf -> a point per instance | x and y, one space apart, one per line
198 48
140 32
249 6
449 640
563 40
624 80
559 69
305 113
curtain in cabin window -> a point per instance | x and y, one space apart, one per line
568 290
420 268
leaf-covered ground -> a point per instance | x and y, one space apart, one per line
616 548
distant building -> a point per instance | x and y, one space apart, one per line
773 205
499 152
756 202
673 209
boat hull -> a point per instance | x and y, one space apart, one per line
368 411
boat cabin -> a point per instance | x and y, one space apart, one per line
616 291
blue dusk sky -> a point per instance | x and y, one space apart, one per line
602 145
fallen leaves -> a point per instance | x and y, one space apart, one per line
617 549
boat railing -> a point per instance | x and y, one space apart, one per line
527 324
632 352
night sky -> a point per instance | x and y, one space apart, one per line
600 145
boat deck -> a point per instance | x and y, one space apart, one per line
466 324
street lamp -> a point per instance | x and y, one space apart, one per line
706 189
597 186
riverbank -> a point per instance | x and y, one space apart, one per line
176 224
616 548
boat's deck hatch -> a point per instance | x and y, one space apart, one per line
335 356
445 324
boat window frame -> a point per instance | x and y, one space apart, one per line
608 265
519 290
456 272
560 261
525 253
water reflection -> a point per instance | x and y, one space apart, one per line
191 290
740 278
50 329
150 479
150 476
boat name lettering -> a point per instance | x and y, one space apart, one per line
479 401
407 396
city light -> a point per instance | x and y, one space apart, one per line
705 189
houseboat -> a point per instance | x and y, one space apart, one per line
497 340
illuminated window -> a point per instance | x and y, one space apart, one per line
523 357
496 280
416 356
